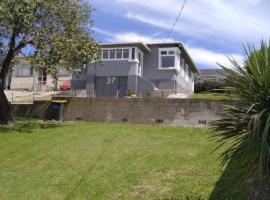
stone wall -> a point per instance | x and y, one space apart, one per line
39 109
184 112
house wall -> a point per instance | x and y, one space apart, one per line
166 79
121 68
32 82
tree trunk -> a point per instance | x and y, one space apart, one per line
6 115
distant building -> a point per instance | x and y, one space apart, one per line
216 75
22 77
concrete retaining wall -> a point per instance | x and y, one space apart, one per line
39 109
184 112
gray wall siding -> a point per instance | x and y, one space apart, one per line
150 67
110 68
78 80
165 79
118 69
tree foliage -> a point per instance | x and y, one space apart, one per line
56 32
248 124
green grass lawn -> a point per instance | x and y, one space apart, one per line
214 96
104 161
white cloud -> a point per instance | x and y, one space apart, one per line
130 37
233 21
201 56
211 59
103 32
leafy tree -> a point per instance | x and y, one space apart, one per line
56 32
247 125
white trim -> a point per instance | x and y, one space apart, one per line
116 59
140 64
176 51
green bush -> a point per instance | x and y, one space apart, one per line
248 125
207 86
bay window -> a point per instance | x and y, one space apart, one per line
115 54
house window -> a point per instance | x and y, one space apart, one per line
24 71
115 54
119 53
125 53
105 54
133 54
62 72
167 58
112 54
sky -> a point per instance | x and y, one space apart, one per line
210 30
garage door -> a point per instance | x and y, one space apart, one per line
115 86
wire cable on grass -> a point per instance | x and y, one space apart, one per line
92 167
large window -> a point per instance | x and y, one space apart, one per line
167 58
24 70
115 54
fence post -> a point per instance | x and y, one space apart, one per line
12 97
33 97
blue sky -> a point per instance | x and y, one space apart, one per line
209 29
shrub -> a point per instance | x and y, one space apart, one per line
207 86
248 126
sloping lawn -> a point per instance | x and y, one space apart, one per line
106 161
215 96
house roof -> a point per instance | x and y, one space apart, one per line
145 48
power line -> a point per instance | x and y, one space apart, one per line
99 157
177 19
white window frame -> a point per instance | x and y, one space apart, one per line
116 59
176 52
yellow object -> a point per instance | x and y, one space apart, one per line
59 101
